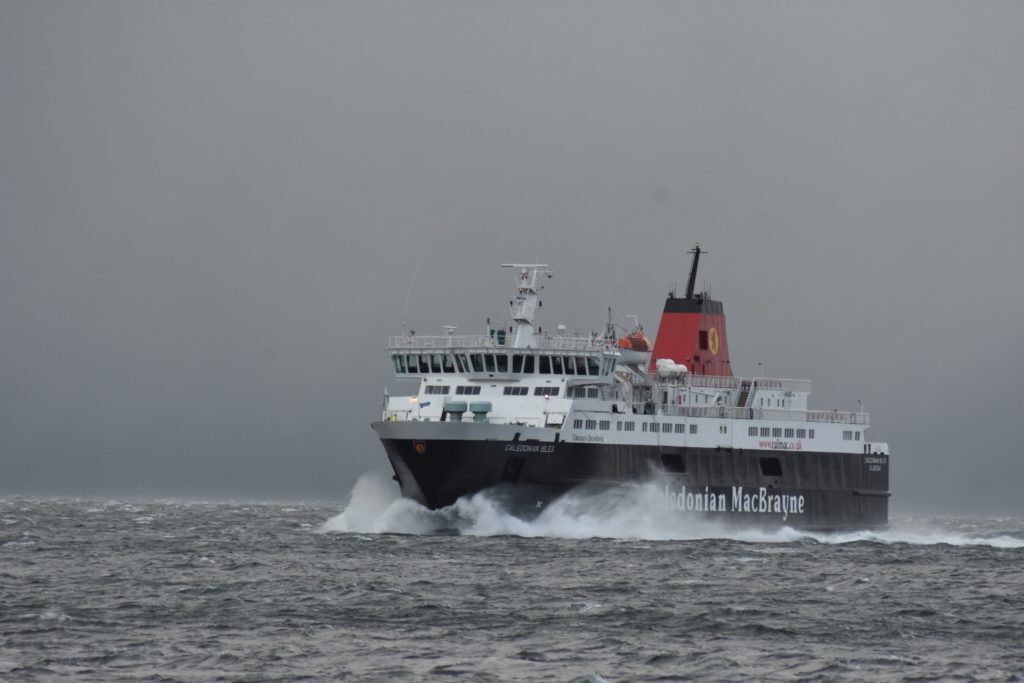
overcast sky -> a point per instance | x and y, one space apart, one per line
211 214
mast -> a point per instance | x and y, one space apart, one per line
693 271
524 307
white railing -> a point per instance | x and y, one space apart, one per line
483 341
720 382
729 412
550 418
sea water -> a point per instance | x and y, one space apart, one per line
598 587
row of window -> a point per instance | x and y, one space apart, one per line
583 392
779 402
475 390
537 391
851 436
780 433
630 426
603 425
464 363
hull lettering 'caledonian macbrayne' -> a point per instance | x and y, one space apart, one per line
529 416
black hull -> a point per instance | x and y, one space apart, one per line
805 490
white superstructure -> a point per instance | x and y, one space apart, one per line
595 389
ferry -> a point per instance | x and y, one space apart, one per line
528 415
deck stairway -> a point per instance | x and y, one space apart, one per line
744 394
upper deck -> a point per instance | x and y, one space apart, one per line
489 357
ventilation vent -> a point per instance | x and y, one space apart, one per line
673 462
771 467
513 468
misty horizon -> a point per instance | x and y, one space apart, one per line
212 217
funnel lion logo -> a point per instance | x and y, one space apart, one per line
713 341
420 447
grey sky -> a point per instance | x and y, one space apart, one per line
210 214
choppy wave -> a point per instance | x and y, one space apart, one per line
628 512
204 591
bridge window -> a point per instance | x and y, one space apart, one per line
398 365
435 363
424 364
570 367
477 361
502 363
556 365
449 363
517 363
545 365
581 365
489 362
593 367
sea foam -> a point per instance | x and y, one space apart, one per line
630 511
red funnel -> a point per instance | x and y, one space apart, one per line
692 331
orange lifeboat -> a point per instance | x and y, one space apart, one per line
637 341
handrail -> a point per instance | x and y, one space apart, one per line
483 341
729 412
723 382
406 415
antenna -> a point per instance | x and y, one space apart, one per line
412 281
